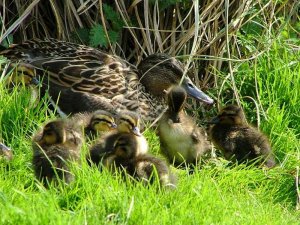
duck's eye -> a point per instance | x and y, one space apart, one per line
190 85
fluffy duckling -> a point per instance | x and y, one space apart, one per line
231 134
143 167
57 143
5 152
22 74
96 123
127 122
181 140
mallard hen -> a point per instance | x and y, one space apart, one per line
181 140
237 140
82 78
56 144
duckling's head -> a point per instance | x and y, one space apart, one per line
176 98
102 121
158 72
230 115
54 133
125 147
129 122
21 74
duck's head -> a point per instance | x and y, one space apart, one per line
158 72
230 115
176 98
54 133
129 122
102 121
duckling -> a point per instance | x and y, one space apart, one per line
21 74
127 122
231 134
143 167
82 78
5 152
96 123
58 143
181 140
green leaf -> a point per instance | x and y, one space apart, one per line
113 17
82 35
97 36
113 36
7 41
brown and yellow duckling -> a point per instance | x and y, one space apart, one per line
5 152
181 140
82 78
95 123
58 143
237 140
127 123
143 167
20 74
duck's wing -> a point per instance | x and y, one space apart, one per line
81 68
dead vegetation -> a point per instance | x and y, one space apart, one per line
206 31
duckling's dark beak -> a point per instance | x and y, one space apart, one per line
196 93
136 131
113 125
4 147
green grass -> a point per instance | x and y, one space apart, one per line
215 194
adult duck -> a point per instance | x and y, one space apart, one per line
81 78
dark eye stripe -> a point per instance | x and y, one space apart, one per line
98 120
128 121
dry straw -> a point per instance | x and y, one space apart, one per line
203 33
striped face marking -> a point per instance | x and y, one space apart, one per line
129 124
231 115
102 123
53 133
